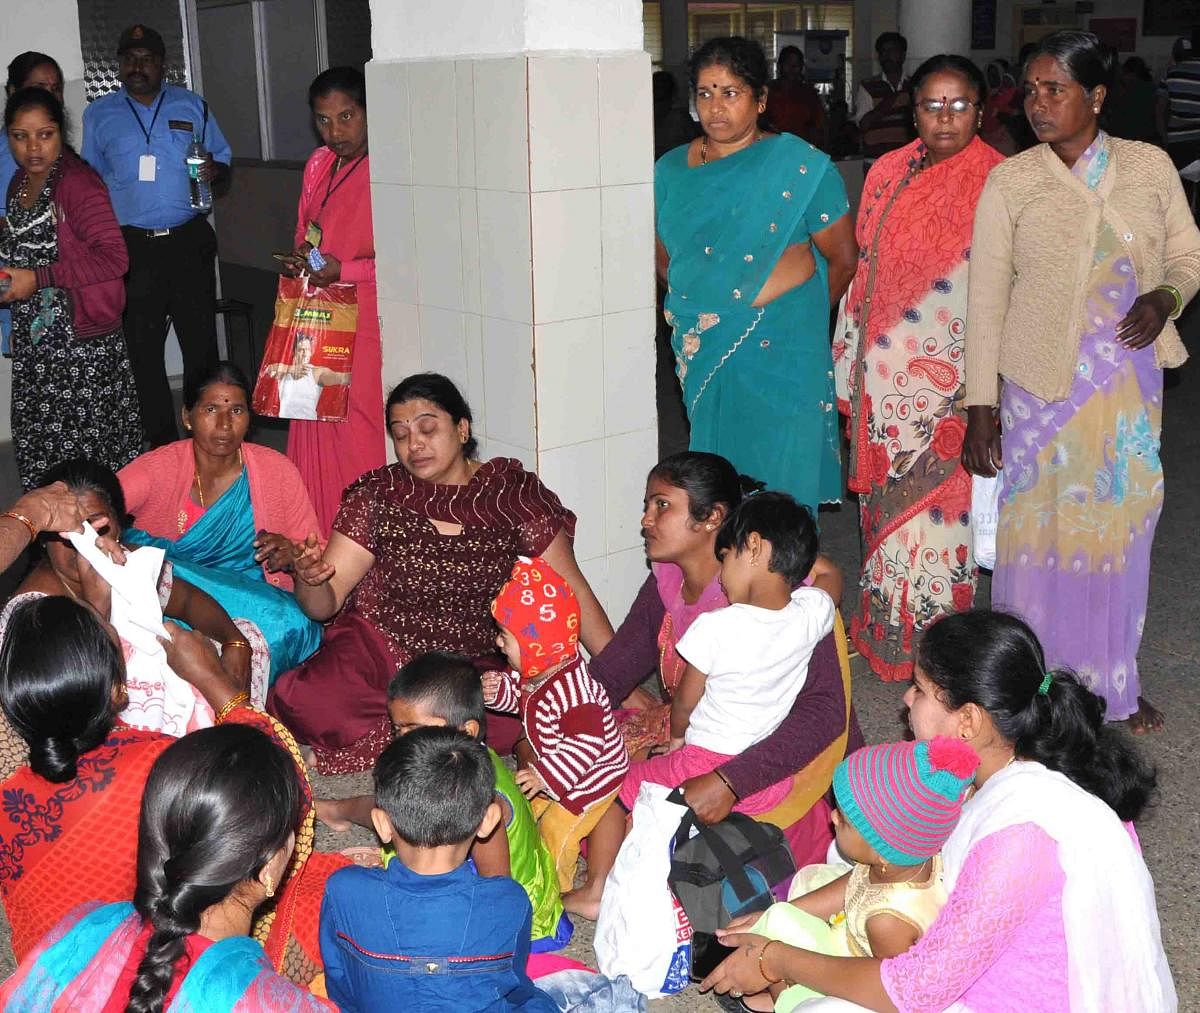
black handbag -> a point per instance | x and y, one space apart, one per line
727 869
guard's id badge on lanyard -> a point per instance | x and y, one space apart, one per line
147 168
312 234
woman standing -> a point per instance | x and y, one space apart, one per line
1050 899
335 215
753 242
1084 253
73 393
898 356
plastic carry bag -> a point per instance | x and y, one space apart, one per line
985 515
305 371
642 931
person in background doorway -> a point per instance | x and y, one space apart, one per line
1181 86
28 70
335 215
137 138
793 105
882 103
73 393
673 125
1003 105
1131 115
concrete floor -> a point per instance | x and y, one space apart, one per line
1169 660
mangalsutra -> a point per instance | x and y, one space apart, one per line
200 485
704 145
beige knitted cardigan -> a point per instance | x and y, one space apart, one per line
1036 228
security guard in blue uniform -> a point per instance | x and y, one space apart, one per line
137 139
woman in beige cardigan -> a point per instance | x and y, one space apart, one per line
1084 253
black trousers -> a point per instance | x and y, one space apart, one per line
171 277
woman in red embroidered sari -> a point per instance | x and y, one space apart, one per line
898 358
69 812
418 551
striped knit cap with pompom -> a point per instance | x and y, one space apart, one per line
905 797
539 608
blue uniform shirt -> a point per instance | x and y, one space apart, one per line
114 140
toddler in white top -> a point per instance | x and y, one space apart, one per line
747 662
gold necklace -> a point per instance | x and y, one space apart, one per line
914 875
200 485
63 580
704 145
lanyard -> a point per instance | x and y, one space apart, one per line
153 120
331 189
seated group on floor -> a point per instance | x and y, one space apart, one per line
439 629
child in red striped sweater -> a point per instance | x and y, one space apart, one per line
579 756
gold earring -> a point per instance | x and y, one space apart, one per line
270 885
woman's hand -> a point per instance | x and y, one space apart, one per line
709 798
23 285
330 273
981 446
738 974
235 659
193 658
309 562
51 508
1146 319
278 552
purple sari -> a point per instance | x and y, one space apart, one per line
1082 489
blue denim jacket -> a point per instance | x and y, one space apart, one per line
395 940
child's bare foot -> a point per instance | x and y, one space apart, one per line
1147 718
584 901
329 812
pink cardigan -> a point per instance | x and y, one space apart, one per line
157 483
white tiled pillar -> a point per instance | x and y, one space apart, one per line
513 208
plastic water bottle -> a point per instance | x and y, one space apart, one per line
201 191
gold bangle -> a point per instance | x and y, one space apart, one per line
1175 294
235 701
762 953
237 643
33 531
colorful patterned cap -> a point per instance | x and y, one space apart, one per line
539 608
905 797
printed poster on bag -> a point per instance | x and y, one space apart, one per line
306 366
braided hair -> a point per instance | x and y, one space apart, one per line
218 805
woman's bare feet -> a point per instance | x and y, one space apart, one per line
1147 718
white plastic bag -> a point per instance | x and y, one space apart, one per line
642 931
985 515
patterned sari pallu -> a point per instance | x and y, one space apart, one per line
757 381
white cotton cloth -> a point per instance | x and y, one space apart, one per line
1114 944
159 700
756 662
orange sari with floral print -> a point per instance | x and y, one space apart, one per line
898 362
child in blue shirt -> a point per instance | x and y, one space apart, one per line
428 933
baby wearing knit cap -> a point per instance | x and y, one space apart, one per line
897 804
580 758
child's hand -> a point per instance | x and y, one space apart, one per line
530 782
491 686
674 745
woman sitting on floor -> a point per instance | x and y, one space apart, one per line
228 513
216 834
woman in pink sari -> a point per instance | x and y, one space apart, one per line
335 215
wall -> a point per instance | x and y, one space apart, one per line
55 30
417 29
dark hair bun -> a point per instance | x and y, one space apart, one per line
55 759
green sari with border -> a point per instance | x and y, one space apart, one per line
757 381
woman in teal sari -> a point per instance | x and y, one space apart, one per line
755 244
215 840
228 513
